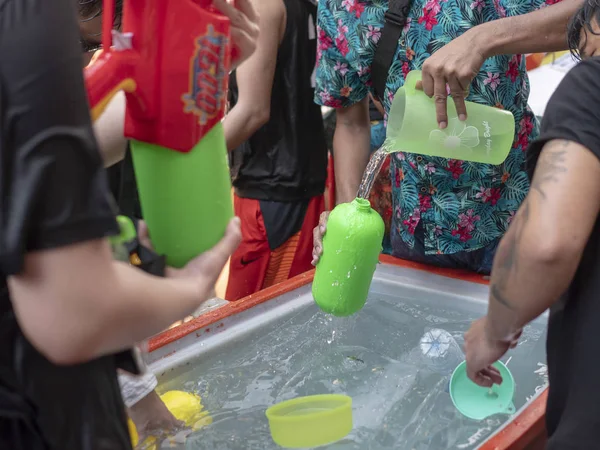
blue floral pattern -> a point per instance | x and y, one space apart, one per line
462 206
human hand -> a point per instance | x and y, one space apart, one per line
152 418
205 268
318 233
450 71
481 352
244 28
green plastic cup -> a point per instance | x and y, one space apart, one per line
485 137
478 403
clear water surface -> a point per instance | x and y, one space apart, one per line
394 358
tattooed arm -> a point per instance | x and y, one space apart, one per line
538 256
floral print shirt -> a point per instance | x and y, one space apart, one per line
462 206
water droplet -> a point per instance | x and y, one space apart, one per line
329 341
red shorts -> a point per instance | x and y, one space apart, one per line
254 266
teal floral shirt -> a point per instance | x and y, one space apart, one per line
463 206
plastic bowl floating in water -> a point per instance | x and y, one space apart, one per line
310 421
478 403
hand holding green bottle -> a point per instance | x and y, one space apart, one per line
203 270
352 246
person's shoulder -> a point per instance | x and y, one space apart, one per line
573 112
579 91
583 78
588 63
588 66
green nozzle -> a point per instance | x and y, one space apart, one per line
128 232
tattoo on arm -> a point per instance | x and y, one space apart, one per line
549 168
507 258
497 294
550 165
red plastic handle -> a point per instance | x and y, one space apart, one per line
108 12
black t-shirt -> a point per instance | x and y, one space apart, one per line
53 192
284 164
286 159
573 411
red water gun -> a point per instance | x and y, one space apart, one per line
172 59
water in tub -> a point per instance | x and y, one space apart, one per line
394 358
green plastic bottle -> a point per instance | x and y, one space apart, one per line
186 197
351 248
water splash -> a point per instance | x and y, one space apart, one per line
329 341
372 170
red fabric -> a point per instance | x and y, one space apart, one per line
251 262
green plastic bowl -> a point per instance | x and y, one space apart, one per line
310 421
478 403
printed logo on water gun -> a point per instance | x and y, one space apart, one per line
207 77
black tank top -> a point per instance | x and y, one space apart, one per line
286 159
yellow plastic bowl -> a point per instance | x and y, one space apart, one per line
310 421
184 406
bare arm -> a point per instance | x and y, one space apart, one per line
538 256
544 30
351 147
255 77
109 129
75 303
457 63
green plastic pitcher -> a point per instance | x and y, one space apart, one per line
485 137
351 248
185 197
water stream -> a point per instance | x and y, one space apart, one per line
372 170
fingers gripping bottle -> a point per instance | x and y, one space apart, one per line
351 248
